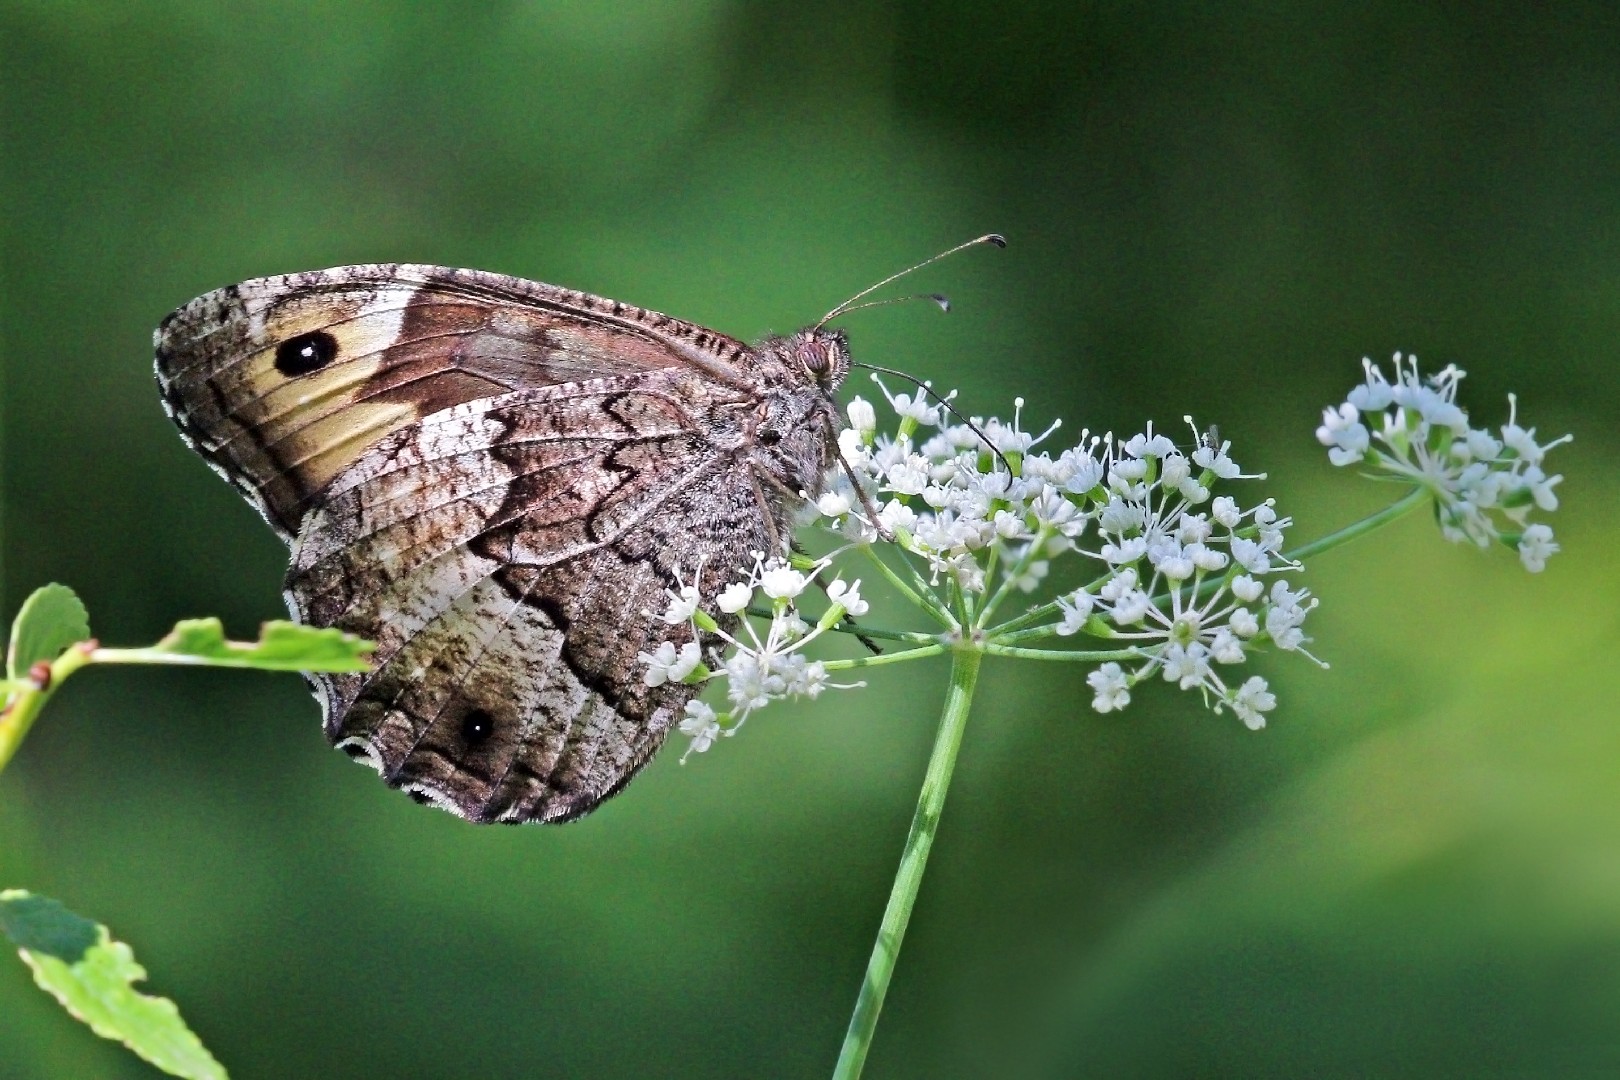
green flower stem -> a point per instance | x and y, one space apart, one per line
907 880
1400 508
1395 510
961 606
845 626
1084 655
887 658
1045 611
20 713
925 591
1013 629
924 599
885 635
1010 578
990 564
1018 622
1035 633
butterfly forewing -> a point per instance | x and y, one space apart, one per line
496 481
282 382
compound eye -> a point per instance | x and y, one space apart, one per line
814 357
768 436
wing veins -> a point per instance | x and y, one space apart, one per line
576 552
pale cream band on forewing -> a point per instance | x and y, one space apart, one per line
406 341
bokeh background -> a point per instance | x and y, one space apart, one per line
1414 871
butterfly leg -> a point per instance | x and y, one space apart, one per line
866 500
847 621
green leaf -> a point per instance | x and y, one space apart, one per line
48 622
282 646
93 976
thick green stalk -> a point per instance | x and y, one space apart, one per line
907 880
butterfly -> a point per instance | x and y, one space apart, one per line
501 483
498 482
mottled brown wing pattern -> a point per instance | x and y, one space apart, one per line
496 480
510 558
282 382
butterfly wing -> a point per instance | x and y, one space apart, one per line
510 556
281 383
490 478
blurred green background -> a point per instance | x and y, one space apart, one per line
1415 871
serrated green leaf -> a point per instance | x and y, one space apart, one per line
50 620
93 976
282 646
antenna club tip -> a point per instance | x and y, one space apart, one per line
994 238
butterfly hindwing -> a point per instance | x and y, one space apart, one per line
510 557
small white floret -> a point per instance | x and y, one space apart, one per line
1110 687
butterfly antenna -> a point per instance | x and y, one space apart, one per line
944 403
943 301
988 238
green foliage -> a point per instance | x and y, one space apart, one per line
51 619
282 646
73 958
94 977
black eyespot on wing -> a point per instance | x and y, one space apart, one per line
306 353
477 726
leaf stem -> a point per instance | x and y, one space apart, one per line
908 879
151 655
23 709
192 643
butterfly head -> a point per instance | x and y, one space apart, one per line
794 430
822 354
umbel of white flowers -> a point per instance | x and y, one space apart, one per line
1180 582
1484 485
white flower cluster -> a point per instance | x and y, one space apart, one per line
1485 485
961 516
757 669
1174 570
